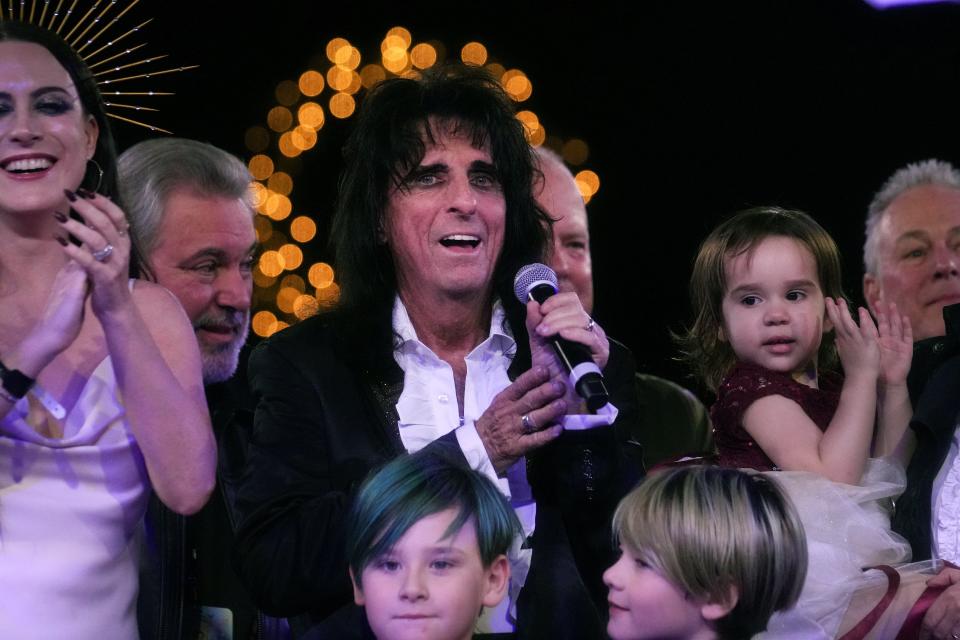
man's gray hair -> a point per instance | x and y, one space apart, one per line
150 171
917 174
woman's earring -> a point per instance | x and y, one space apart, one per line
99 174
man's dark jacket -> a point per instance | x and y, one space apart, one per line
326 417
934 384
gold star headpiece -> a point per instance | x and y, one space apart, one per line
88 37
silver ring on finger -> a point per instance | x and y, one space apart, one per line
590 324
103 254
529 426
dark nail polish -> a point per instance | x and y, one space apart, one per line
60 216
84 193
71 196
61 240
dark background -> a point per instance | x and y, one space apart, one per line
692 110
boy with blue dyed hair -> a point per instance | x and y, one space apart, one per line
427 539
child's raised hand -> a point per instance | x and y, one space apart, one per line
896 344
858 346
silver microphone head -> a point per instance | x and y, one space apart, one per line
532 276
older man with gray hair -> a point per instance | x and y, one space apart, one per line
912 258
190 211
912 250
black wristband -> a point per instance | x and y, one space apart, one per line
15 382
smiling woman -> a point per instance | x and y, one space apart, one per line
85 390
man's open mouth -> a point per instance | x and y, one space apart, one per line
460 240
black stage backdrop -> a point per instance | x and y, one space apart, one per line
691 110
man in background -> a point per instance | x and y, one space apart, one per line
191 216
672 421
912 258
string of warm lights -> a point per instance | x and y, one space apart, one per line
286 289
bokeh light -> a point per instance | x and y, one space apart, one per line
305 306
292 256
516 84
588 183
303 229
285 298
402 34
575 151
311 83
279 119
260 166
264 323
310 114
286 146
303 138
281 183
334 47
329 295
342 105
339 78
372 74
277 207
423 56
474 53
287 92
320 275
271 263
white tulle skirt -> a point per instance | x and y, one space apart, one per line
848 529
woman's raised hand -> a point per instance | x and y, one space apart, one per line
105 250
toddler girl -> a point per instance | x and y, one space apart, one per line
772 320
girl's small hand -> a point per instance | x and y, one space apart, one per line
896 344
105 252
563 315
858 346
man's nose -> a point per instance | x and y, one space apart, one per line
946 263
234 289
463 197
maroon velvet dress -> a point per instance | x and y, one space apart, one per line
745 384
847 526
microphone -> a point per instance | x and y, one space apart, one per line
538 282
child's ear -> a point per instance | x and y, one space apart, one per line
357 591
496 581
713 611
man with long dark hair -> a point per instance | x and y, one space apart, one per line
427 348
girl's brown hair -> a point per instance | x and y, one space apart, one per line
701 346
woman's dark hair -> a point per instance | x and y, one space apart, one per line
105 154
392 133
